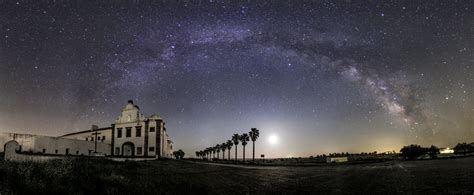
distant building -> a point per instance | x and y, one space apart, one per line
446 151
337 159
132 135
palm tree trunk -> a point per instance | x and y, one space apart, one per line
244 154
228 155
253 153
236 153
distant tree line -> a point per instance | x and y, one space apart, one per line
409 152
464 148
347 154
414 151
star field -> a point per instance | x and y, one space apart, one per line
326 76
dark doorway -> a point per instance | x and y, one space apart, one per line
128 149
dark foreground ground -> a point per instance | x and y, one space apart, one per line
88 176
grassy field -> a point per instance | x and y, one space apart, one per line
89 176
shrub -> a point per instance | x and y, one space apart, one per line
433 151
463 148
413 151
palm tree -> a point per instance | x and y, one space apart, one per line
223 148
197 154
229 146
236 139
244 138
208 153
254 133
213 149
218 148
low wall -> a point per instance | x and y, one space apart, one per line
75 147
11 148
53 145
23 139
122 159
11 154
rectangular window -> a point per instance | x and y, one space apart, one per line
117 150
77 152
128 132
44 151
138 131
119 132
67 151
56 151
92 139
87 139
152 149
152 129
139 150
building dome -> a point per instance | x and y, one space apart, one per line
154 116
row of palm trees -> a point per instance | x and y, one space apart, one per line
244 138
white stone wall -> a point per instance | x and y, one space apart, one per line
76 147
22 139
89 136
11 148
11 154
49 145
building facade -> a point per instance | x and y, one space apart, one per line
131 135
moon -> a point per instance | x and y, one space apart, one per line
273 139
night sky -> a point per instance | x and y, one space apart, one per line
322 76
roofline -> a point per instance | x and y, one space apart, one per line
89 130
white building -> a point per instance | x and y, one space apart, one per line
337 159
132 135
